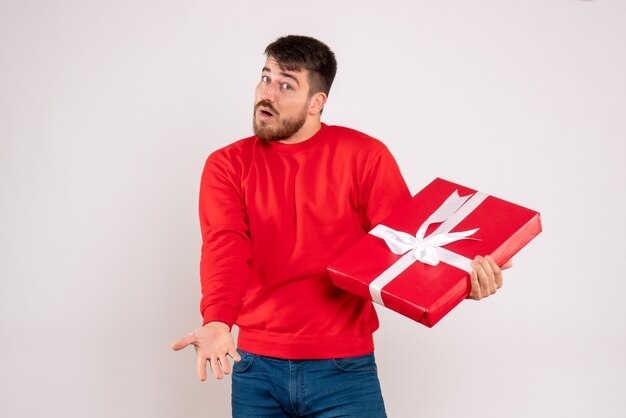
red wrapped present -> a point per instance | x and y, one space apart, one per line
417 262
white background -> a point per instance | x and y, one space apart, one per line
108 110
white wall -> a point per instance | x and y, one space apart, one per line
108 110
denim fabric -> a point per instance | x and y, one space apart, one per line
270 387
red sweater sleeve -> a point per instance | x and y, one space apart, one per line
226 247
382 189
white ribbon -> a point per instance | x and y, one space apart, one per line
428 249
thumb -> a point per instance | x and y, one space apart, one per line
184 342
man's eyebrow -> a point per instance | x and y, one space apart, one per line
284 74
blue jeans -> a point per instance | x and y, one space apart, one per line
271 387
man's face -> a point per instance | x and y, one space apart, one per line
281 102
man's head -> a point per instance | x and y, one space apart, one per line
294 86
297 53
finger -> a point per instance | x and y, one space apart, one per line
202 368
507 265
184 342
491 274
234 354
497 272
225 363
215 366
483 279
475 289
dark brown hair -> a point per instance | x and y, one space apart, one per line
295 52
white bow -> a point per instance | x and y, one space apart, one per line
423 248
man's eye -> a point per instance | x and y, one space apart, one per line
286 86
265 79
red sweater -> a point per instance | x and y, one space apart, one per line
272 218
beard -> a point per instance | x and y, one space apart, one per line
286 128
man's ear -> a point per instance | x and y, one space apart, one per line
317 103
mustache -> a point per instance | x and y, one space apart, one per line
268 105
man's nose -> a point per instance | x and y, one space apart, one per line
268 92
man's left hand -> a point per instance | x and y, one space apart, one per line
486 277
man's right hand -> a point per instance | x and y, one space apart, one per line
213 343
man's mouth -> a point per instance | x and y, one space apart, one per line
265 110
265 114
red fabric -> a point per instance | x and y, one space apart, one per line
272 218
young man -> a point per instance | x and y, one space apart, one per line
275 209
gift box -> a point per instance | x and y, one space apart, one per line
417 261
